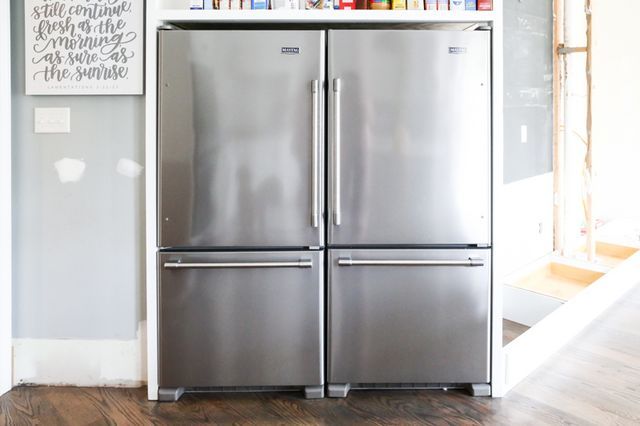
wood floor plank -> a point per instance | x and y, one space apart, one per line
511 330
595 380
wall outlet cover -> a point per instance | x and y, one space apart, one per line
52 120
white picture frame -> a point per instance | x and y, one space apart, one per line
84 47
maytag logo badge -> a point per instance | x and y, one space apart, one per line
457 50
290 50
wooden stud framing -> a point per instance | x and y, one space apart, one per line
589 210
558 140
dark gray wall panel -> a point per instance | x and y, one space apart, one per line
528 85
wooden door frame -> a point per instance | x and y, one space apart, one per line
6 367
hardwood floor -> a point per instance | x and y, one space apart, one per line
594 380
511 330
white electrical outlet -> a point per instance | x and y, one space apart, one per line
52 120
524 134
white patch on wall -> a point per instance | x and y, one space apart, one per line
52 120
129 168
70 169
81 362
89 47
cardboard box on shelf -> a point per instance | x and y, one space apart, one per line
312 4
399 4
443 4
456 5
470 5
485 4
415 4
380 4
431 4
284 4
347 4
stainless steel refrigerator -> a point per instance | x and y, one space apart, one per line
409 235
241 227
242 201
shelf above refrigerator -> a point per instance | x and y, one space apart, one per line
323 16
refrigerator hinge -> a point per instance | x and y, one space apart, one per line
314 247
483 28
167 27
483 245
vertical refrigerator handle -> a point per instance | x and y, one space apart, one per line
336 152
315 179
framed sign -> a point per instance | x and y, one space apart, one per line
84 47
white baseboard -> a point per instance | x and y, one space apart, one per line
57 362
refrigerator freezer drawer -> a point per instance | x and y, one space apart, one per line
241 319
409 316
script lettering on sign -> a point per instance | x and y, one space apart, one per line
77 47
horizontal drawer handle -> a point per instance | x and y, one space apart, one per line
370 262
302 263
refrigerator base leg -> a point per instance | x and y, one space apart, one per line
339 390
480 389
169 394
314 392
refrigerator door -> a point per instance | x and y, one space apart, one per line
409 316
241 139
241 319
410 137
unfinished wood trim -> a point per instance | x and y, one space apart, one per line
611 254
589 211
560 281
615 250
558 150
573 273
564 50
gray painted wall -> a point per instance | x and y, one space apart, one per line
528 85
78 247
